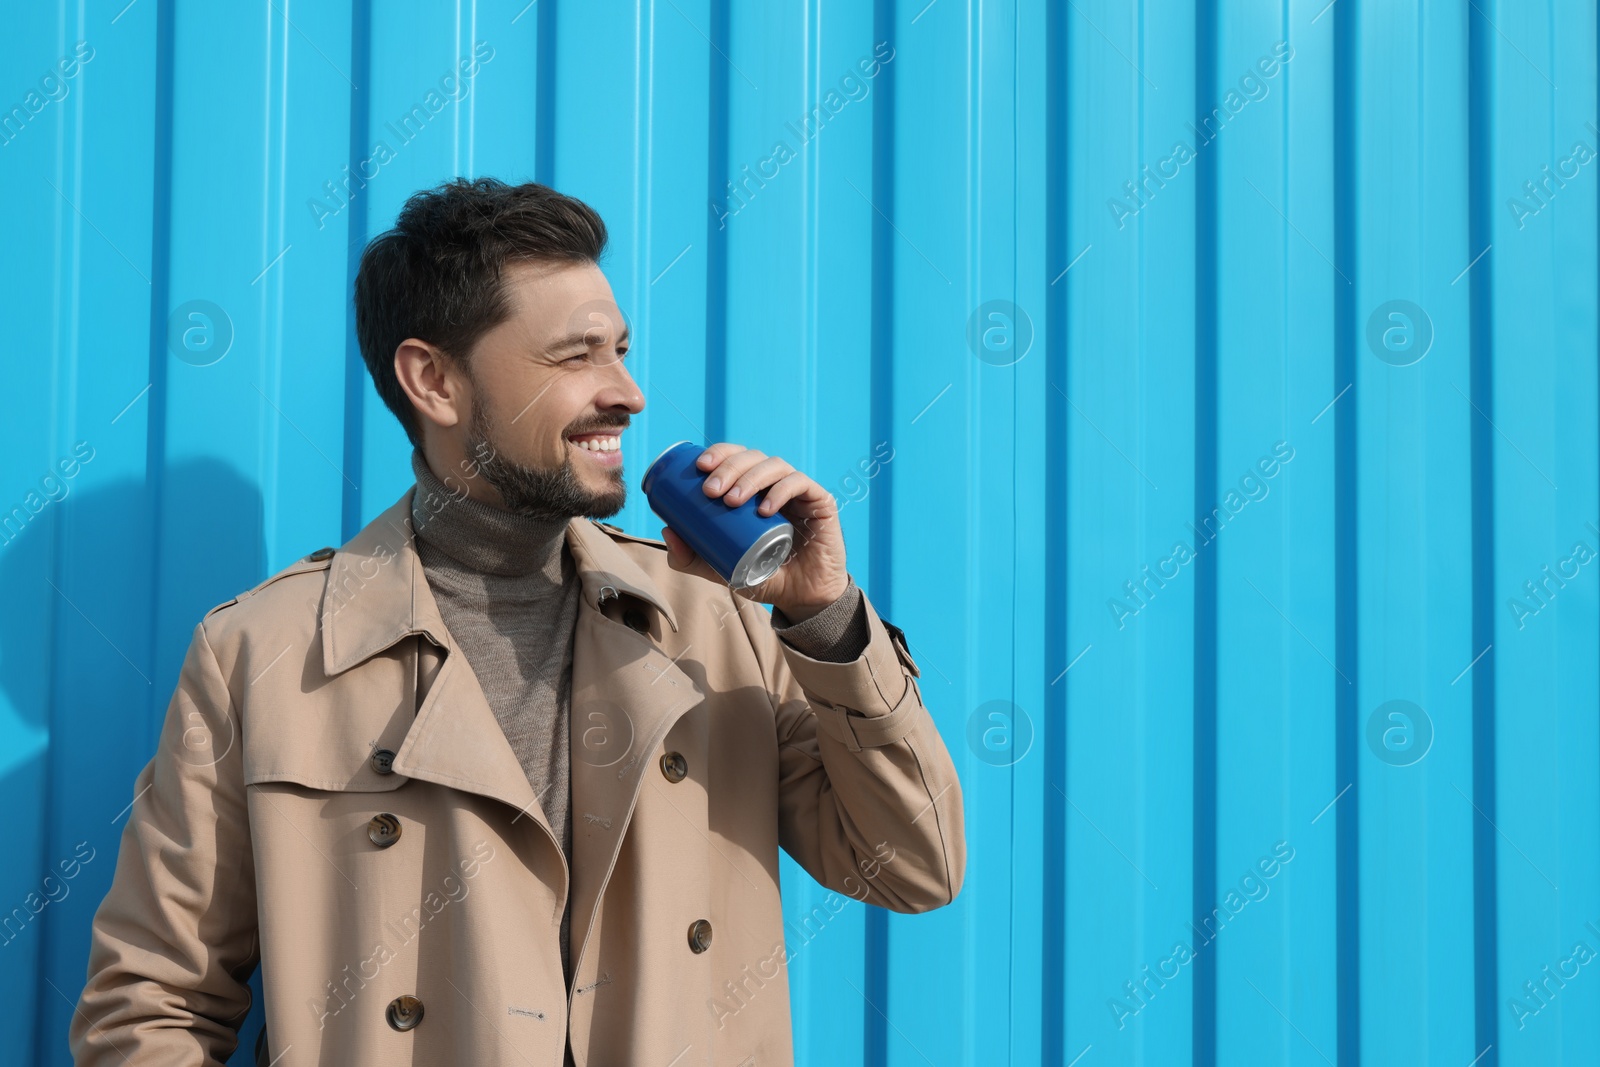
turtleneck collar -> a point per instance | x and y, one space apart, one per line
480 536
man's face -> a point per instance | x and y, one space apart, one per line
549 377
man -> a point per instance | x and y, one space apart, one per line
494 783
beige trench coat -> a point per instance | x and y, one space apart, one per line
332 796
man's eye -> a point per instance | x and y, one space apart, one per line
621 354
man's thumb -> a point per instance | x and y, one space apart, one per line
680 557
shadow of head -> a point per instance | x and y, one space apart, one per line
105 580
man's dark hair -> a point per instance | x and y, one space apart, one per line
437 275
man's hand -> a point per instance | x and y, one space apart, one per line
814 575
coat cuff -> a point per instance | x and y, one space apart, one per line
869 701
836 634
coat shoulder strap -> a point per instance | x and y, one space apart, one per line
619 534
320 560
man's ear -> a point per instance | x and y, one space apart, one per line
429 377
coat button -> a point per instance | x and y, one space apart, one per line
699 935
636 620
383 830
674 766
320 554
404 1013
383 761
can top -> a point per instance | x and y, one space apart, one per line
644 483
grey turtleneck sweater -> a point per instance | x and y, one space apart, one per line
508 590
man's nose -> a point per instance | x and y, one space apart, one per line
623 391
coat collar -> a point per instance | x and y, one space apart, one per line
377 593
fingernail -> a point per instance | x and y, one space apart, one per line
713 484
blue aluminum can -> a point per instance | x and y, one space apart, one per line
743 547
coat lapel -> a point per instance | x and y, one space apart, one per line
626 692
377 595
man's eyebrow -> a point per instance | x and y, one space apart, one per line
579 339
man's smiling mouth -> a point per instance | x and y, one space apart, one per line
604 447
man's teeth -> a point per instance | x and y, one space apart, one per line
600 444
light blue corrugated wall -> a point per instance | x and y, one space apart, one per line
1168 534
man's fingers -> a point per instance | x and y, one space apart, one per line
715 454
729 468
765 473
792 486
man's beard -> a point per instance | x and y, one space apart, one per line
534 491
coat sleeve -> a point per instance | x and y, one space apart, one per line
174 942
869 802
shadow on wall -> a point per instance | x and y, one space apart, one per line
104 587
